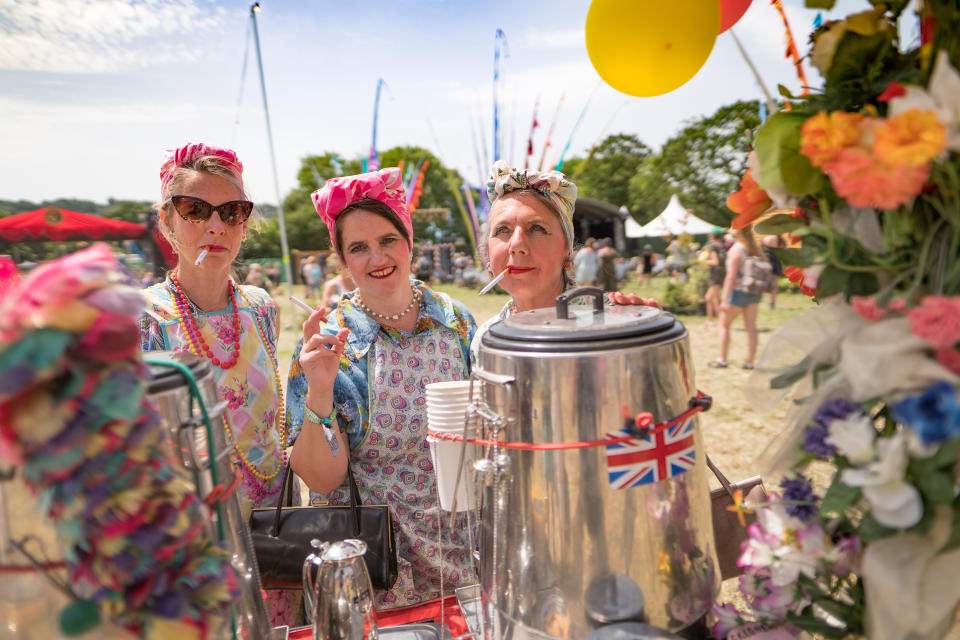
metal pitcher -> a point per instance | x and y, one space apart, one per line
337 592
568 543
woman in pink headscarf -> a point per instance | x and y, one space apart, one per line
356 387
204 214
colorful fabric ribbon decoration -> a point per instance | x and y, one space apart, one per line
74 416
385 185
175 158
552 184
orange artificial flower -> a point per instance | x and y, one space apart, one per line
823 136
912 138
749 202
867 181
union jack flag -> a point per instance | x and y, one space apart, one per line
657 457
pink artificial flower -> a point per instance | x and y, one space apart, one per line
867 308
937 320
866 181
728 618
950 359
779 602
844 557
899 305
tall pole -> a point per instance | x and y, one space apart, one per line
284 248
771 103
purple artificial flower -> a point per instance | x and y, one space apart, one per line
835 409
934 414
799 499
815 441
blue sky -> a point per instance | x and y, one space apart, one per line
92 91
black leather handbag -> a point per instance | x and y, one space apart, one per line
282 535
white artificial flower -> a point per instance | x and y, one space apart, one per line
893 502
942 96
787 546
853 437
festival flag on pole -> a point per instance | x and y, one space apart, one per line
792 51
533 127
374 162
498 39
663 455
547 143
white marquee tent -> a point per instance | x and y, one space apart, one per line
674 220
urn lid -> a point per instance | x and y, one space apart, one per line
166 378
571 328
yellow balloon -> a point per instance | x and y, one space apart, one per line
650 47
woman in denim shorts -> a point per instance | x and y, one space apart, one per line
735 299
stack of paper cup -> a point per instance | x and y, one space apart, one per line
447 404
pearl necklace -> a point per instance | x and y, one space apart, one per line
415 301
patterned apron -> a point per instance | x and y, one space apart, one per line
393 464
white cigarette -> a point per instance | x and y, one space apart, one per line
203 254
303 305
493 283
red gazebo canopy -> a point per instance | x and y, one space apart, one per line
53 223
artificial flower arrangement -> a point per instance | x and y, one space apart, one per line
866 169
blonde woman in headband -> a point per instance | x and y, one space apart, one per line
204 214
530 231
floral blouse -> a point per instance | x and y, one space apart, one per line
250 387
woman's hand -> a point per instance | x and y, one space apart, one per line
619 297
320 360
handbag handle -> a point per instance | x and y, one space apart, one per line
354 500
719 474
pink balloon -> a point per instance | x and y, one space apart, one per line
731 11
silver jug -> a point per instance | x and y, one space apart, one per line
206 459
570 542
337 592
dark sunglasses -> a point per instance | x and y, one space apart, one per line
196 210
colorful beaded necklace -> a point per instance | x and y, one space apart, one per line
198 347
189 323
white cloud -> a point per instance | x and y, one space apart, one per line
537 38
84 36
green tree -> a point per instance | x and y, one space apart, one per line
702 164
126 210
606 171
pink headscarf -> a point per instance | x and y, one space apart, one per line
385 185
175 158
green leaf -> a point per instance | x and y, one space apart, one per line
838 609
816 626
791 375
779 223
870 530
820 4
802 257
862 284
838 498
953 541
832 280
778 153
937 487
854 55
783 91
947 455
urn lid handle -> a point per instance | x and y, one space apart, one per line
563 300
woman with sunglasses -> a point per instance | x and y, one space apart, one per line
356 390
199 308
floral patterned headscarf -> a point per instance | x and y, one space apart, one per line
552 184
176 158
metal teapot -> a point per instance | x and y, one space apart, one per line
339 598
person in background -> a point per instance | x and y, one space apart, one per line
199 308
773 242
356 391
736 298
647 260
255 276
715 260
607 271
586 263
335 287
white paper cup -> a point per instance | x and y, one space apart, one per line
446 459
449 424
